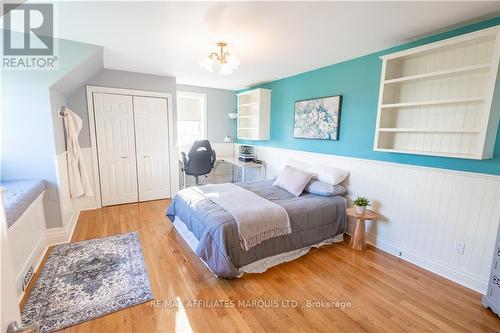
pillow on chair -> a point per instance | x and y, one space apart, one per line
293 180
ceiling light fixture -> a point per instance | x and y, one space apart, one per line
223 62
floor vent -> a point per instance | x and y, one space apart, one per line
27 277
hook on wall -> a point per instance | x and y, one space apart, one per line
62 111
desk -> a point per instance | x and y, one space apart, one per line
243 165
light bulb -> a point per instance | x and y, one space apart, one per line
207 63
226 69
233 61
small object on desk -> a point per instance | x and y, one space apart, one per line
358 239
247 153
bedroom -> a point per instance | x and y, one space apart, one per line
250 166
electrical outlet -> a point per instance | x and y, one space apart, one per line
459 247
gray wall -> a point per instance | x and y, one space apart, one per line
67 86
118 79
29 125
219 104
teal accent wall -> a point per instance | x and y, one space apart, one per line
358 81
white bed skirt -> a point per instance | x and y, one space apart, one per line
259 266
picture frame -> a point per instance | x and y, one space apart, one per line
317 118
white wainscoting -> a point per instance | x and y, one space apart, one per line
69 207
27 241
424 211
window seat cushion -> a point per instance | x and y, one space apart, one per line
18 196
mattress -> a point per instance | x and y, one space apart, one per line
313 219
18 196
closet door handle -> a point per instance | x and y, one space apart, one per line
147 156
124 156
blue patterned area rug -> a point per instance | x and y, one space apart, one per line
85 280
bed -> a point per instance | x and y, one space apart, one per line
213 233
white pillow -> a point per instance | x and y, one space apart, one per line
293 180
298 164
294 164
328 174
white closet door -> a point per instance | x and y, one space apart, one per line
151 130
114 120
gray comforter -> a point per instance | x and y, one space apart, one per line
313 219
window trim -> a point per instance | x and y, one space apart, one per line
203 98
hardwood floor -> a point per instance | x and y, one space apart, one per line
385 294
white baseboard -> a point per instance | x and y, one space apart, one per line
472 282
61 235
468 280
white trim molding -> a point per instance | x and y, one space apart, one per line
62 235
174 169
424 211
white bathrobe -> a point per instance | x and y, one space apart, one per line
79 183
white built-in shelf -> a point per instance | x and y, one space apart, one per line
440 74
432 153
248 104
254 109
435 102
437 99
428 130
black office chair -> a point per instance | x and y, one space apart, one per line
199 161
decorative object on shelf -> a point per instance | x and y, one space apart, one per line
223 62
358 238
233 115
437 99
360 204
317 118
254 114
228 138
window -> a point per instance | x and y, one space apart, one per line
191 117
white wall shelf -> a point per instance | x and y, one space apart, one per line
436 102
442 73
254 109
437 99
428 130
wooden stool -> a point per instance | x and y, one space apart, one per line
358 239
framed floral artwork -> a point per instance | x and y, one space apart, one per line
317 118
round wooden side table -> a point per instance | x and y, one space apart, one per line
358 239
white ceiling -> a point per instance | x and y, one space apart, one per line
272 39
